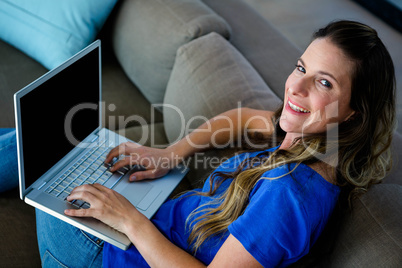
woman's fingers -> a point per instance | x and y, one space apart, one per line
148 174
121 163
156 162
107 206
94 194
145 161
79 212
86 192
112 154
125 148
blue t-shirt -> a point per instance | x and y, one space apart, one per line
282 221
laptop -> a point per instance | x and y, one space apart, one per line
61 144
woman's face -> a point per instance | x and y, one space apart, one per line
318 91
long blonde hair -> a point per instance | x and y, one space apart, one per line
362 145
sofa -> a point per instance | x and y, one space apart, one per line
167 66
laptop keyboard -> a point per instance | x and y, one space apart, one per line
89 169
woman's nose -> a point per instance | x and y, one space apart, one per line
299 87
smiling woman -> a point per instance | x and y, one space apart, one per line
317 93
266 207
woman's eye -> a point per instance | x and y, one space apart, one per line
325 83
300 69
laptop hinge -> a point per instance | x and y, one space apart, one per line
28 191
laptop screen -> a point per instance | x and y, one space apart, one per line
58 114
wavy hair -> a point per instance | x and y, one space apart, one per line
361 146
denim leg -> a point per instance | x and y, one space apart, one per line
8 160
63 245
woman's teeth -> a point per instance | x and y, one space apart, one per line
296 108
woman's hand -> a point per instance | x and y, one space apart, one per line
107 206
156 162
116 211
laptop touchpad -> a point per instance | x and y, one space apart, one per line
135 191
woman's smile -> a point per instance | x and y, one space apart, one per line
297 108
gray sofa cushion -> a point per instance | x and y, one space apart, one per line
124 105
372 234
151 135
147 34
210 77
267 49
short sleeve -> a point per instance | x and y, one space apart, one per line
275 227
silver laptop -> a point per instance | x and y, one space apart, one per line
62 144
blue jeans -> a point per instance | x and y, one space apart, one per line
63 245
60 244
8 160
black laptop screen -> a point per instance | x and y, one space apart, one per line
59 113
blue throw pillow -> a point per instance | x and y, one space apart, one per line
51 31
